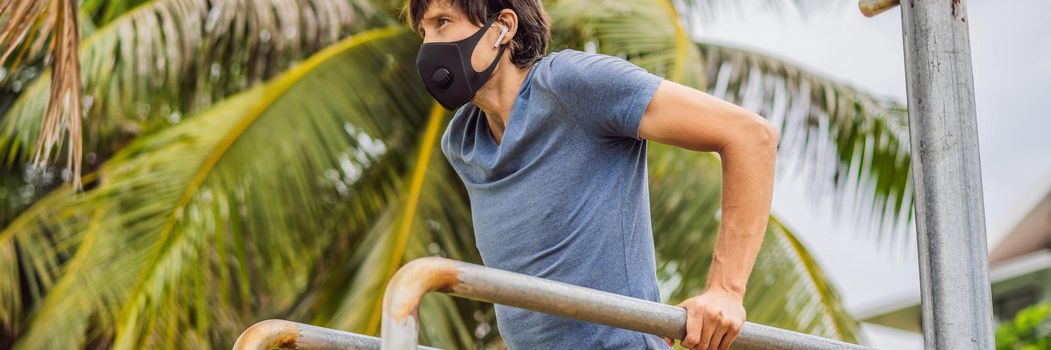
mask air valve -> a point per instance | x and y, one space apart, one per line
442 78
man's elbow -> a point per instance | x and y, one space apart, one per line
754 135
766 135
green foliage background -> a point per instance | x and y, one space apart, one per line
1029 330
255 159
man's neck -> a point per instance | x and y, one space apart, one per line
498 95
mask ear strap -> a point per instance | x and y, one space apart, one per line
467 45
492 66
484 75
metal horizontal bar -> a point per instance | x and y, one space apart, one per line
415 279
281 334
874 7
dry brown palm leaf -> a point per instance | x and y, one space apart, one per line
29 26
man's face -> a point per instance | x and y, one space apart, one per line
444 23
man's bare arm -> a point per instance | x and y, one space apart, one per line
747 145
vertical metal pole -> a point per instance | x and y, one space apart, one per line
954 282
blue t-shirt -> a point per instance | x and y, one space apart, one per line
564 196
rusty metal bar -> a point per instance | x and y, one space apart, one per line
421 276
281 334
874 7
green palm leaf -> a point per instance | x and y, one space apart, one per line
171 58
226 185
33 248
704 12
101 12
298 198
160 62
808 301
432 218
850 144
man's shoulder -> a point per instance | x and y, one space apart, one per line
569 68
571 57
576 55
565 70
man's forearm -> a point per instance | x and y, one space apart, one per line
748 178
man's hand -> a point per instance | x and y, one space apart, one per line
713 320
747 146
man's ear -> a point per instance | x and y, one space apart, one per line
508 19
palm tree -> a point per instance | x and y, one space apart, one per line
253 159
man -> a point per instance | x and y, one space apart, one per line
552 150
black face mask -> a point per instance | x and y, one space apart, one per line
447 72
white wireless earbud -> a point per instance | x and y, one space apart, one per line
503 31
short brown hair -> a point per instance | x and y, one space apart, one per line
530 41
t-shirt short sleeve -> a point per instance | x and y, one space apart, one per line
607 94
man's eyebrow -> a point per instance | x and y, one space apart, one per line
437 13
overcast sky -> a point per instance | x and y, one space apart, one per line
1011 50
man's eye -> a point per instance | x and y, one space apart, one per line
442 21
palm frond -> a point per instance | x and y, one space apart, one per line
787 290
284 157
647 32
101 12
849 144
19 190
792 291
296 198
432 217
29 26
168 59
700 13
34 248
